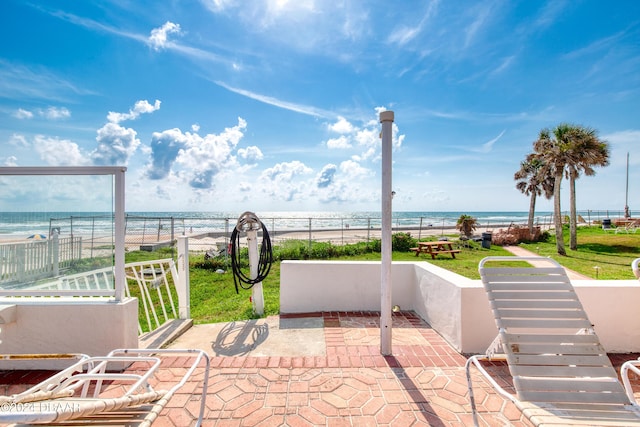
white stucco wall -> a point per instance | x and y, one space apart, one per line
453 305
90 327
340 286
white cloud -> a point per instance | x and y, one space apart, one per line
11 161
281 181
218 5
341 126
366 137
340 142
158 38
352 170
18 140
251 154
140 107
23 114
325 177
195 127
116 144
51 113
55 113
196 159
59 152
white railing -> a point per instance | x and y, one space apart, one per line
156 287
24 262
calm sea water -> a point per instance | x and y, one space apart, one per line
27 223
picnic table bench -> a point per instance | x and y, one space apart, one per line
435 248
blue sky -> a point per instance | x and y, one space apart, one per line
230 105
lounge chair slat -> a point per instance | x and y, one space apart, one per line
558 360
497 284
522 271
541 313
564 371
563 396
545 323
549 304
557 348
530 295
569 385
552 339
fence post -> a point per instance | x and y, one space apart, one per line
56 253
182 284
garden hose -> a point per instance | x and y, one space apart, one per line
249 221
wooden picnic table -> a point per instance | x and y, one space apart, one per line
435 248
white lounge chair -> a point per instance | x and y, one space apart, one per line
561 373
100 389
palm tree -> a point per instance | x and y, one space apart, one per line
530 181
467 225
588 151
554 148
569 149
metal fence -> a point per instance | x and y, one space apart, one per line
205 233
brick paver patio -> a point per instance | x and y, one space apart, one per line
422 384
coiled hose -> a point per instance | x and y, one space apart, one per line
249 221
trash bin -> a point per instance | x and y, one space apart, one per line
606 223
486 240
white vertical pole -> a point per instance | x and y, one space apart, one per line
119 231
256 291
386 118
184 283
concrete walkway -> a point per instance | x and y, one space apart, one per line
518 251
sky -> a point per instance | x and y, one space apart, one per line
273 105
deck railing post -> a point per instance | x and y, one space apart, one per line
183 284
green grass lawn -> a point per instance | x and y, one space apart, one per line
214 299
611 253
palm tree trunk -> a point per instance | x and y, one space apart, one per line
557 217
573 220
532 210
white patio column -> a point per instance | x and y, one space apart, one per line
386 118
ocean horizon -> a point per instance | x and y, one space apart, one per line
16 223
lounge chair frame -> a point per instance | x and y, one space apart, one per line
561 373
75 394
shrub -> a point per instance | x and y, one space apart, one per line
402 242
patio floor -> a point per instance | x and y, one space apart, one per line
258 379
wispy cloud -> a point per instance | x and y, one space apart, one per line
95 25
156 40
265 99
549 14
596 47
23 114
504 65
404 34
22 82
482 15
488 146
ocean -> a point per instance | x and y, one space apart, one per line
14 224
